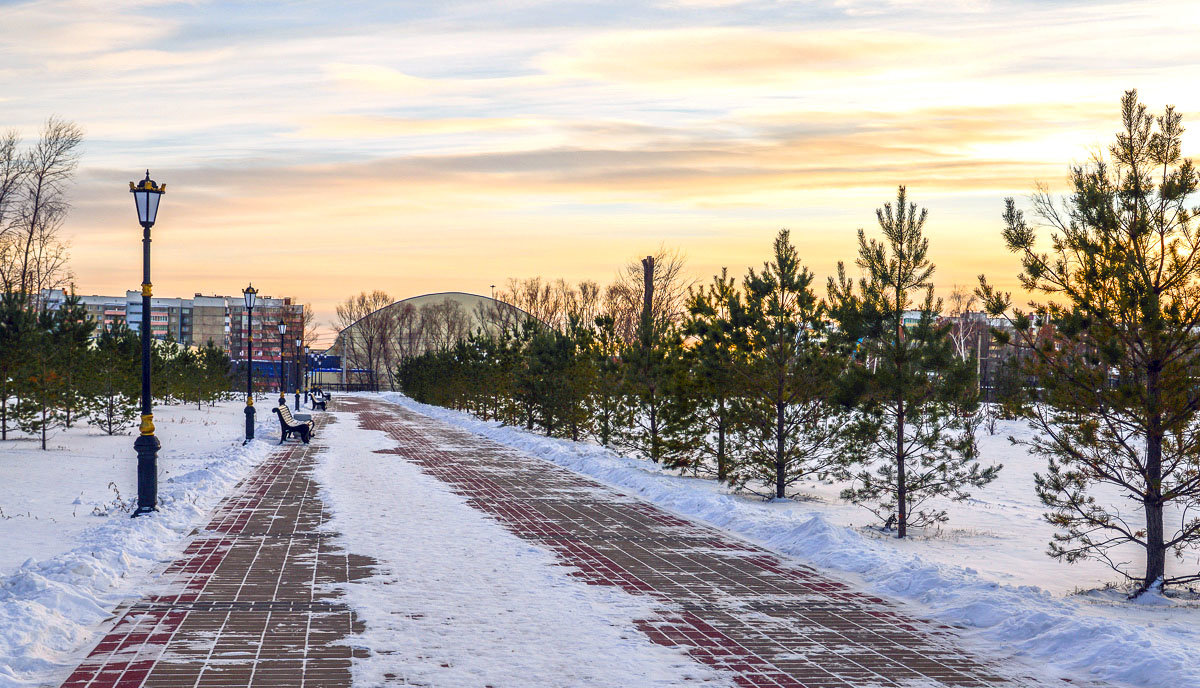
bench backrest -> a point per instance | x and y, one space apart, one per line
286 414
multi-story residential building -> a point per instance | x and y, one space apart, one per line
203 319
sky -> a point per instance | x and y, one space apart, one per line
319 149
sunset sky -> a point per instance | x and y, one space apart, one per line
320 149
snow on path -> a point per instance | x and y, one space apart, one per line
461 602
54 609
1129 644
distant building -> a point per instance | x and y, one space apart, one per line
200 320
366 352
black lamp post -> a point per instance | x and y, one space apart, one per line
282 383
146 195
307 375
296 372
249 294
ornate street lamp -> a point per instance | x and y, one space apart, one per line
250 294
146 195
296 372
282 384
307 375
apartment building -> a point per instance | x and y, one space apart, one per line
201 319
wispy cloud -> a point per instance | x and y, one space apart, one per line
421 145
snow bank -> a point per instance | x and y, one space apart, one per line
1122 642
460 601
51 609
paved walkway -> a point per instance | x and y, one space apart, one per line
244 605
734 606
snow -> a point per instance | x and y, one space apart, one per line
63 569
460 601
987 573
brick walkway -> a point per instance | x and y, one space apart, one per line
247 604
242 606
731 605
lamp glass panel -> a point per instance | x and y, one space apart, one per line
139 197
152 200
282 328
249 296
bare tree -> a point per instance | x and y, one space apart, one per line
408 332
366 332
12 174
623 299
497 316
534 296
34 206
310 330
444 324
590 303
967 331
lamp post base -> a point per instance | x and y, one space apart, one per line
249 422
147 447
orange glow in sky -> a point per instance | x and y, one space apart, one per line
319 149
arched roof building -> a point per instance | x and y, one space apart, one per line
371 347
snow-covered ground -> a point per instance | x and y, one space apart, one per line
460 601
63 568
987 571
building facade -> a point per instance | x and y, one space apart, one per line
202 319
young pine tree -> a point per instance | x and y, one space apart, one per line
789 418
111 385
606 403
708 385
914 395
1118 374
217 372
17 328
40 409
71 340
649 366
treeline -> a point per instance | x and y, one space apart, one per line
54 373
758 382
762 383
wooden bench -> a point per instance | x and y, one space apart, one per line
301 426
318 400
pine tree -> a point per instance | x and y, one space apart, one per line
562 377
217 372
648 367
40 408
1010 392
606 403
1118 370
112 382
703 400
168 367
788 418
71 341
16 332
914 395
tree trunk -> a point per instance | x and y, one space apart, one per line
653 407
647 300
721 467
779 455
1156 552
901 487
